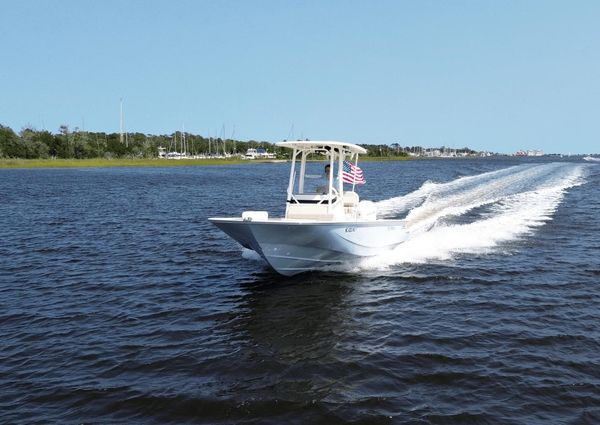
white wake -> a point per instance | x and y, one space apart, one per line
511 203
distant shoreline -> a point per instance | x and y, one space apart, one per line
150 162
157 162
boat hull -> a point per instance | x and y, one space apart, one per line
291 247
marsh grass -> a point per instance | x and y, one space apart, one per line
141 162
101 162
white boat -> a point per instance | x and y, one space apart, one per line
260 153
324 226
591 159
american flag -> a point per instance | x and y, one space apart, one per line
352 174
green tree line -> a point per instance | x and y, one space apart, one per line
30 143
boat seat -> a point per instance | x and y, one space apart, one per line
351 199
310 211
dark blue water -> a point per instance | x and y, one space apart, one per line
120 303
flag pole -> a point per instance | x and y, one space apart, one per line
354 173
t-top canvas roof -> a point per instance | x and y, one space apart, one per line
316 144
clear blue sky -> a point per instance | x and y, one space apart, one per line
495 75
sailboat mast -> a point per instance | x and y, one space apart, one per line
121 121
185 147
233 140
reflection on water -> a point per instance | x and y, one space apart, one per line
298 320
287 335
